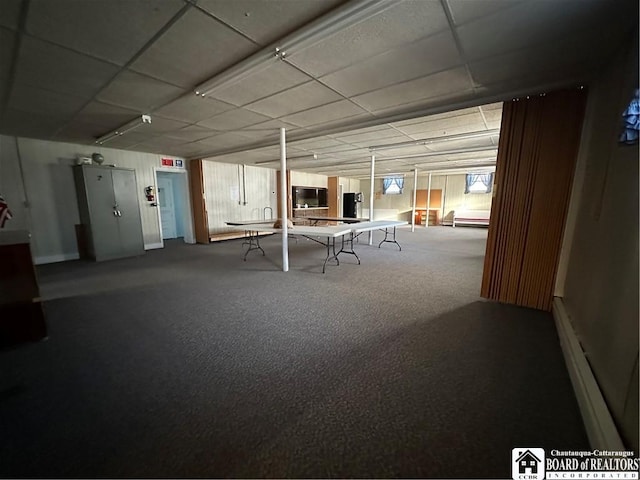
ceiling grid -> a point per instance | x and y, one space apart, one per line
356 73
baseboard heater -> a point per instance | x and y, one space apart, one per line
601 429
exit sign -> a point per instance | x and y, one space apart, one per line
167 162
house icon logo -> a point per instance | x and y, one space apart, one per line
527 464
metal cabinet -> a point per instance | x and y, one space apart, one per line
109 211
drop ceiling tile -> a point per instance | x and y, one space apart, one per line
342 149
313 143
269 128
266 22
58 69
381 141
461 144
191 133
160 143
223 141
302 97
366 134
429 128
340 110
233 119
111 30
128 140
527 24
42 102
194 49
30 124
160 125
139 92
442 84
407 22
7 42
406 150
78 131
437 116
492 115
108 117
276 78
464 11
192 109
491 106
419 59
10 13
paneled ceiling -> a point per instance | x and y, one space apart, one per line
341 76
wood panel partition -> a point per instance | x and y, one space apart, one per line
537 151
196 187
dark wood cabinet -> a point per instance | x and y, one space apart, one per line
21 311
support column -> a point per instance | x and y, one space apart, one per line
415 194
283 201
426 224
371 194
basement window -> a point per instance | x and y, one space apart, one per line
631 117
479 183
392 185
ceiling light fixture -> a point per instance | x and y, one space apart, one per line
348 15
447 138
143 119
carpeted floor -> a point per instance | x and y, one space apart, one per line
189 362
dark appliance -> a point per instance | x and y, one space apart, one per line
349 205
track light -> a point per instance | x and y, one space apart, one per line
124 129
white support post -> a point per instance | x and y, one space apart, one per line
283 201
415 195
371 194
426 224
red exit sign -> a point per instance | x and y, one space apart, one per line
167 162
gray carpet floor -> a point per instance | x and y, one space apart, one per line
189 362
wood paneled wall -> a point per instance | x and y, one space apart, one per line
196 187
534 171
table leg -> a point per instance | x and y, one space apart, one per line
386 234
331 244
254 244
350 251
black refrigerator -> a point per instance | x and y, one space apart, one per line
349 205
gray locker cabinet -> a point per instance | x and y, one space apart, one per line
109 211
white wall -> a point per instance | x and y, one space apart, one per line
400 206
223 187
303 179
46 203
601 286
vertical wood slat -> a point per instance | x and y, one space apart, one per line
534 171
196 187
332 200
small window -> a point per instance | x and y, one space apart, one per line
479 183
392 185
631 118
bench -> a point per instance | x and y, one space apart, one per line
475 218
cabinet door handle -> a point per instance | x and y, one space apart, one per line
119 213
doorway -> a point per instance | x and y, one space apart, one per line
173 205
